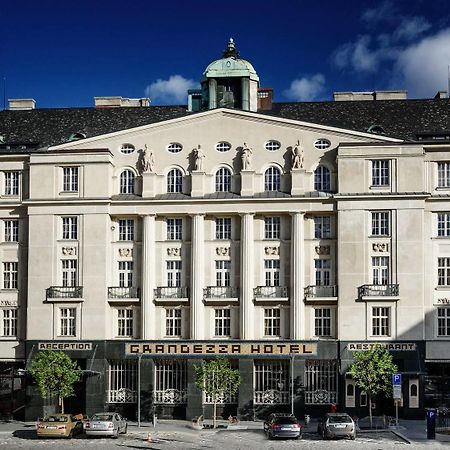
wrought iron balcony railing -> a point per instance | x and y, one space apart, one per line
64 292
315 291
378 290
118 292
270 292
171 292
221 292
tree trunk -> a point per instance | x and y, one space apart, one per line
214 413
61 403
370 410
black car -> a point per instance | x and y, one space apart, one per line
335 425
279 425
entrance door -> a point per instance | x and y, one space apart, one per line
77 403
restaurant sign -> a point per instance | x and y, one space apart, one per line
215 348
391 346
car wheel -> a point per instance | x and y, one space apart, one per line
353 437
116 433
125 429
70 436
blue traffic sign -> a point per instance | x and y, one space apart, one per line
397 379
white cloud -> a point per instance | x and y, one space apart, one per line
383 12
410 28
422 67
171 91
306 88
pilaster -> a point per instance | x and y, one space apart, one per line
298 181
198 184
148 278
247 183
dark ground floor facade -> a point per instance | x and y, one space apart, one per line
275 376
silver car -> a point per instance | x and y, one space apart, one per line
106 424
335 425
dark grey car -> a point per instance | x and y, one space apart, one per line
279 425
335 425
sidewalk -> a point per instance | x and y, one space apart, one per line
415 431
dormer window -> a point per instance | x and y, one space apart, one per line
126 149
376 129
322 144
76 136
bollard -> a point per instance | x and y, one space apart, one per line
431 423
155 420
149 437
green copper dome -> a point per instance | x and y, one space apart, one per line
230 66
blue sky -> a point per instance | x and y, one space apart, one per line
63 53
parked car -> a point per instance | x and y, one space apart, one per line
280 425
59 425
335 425
106 424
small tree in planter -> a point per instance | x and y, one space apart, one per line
372 372
55 374
216 378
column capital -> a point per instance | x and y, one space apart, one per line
297 213
197 215
242 214
147 215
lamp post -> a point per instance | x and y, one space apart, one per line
292 383
139 391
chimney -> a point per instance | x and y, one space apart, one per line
120 102
265 97
441 94
21 104
375 95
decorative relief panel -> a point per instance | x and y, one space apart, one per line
126 252
272 251
69 251
174 251
323 249
380 247
223 251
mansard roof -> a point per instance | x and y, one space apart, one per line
404 119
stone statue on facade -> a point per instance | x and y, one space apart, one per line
148 160
246 157
199 156
298 156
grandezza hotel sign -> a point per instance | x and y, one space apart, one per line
216 348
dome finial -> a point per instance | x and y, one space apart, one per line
230 51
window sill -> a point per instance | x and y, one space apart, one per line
383 187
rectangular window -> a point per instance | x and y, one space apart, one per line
170 382
223 228
9 322
320 382
380 270
271 382
125 273
443 323
322 227
10 275
223 273
443 224
322 271
173 322
380 172
126 230
173 273
12 183
70 179
67 318
444 174
272 272
380 223
122 385
125 322
222 322
11 231
381 321
69 272
174 229
70 227
272 322
322 322
443 271
272 227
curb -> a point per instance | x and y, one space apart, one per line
401 436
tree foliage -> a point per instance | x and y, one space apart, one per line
217 379
372 372
55 374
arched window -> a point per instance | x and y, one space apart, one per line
413 390
350 390
223 180
322 179
272 179
175 181
127 182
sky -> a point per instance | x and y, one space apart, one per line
64 53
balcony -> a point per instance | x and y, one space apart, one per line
271 293
171 294
215 294
64 292
378 291
315 292
118 293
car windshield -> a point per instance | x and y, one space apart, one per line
56 419
285 420
102 417
339 419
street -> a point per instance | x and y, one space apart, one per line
180 437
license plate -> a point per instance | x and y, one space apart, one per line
50 427
97 426
340 426
286 429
